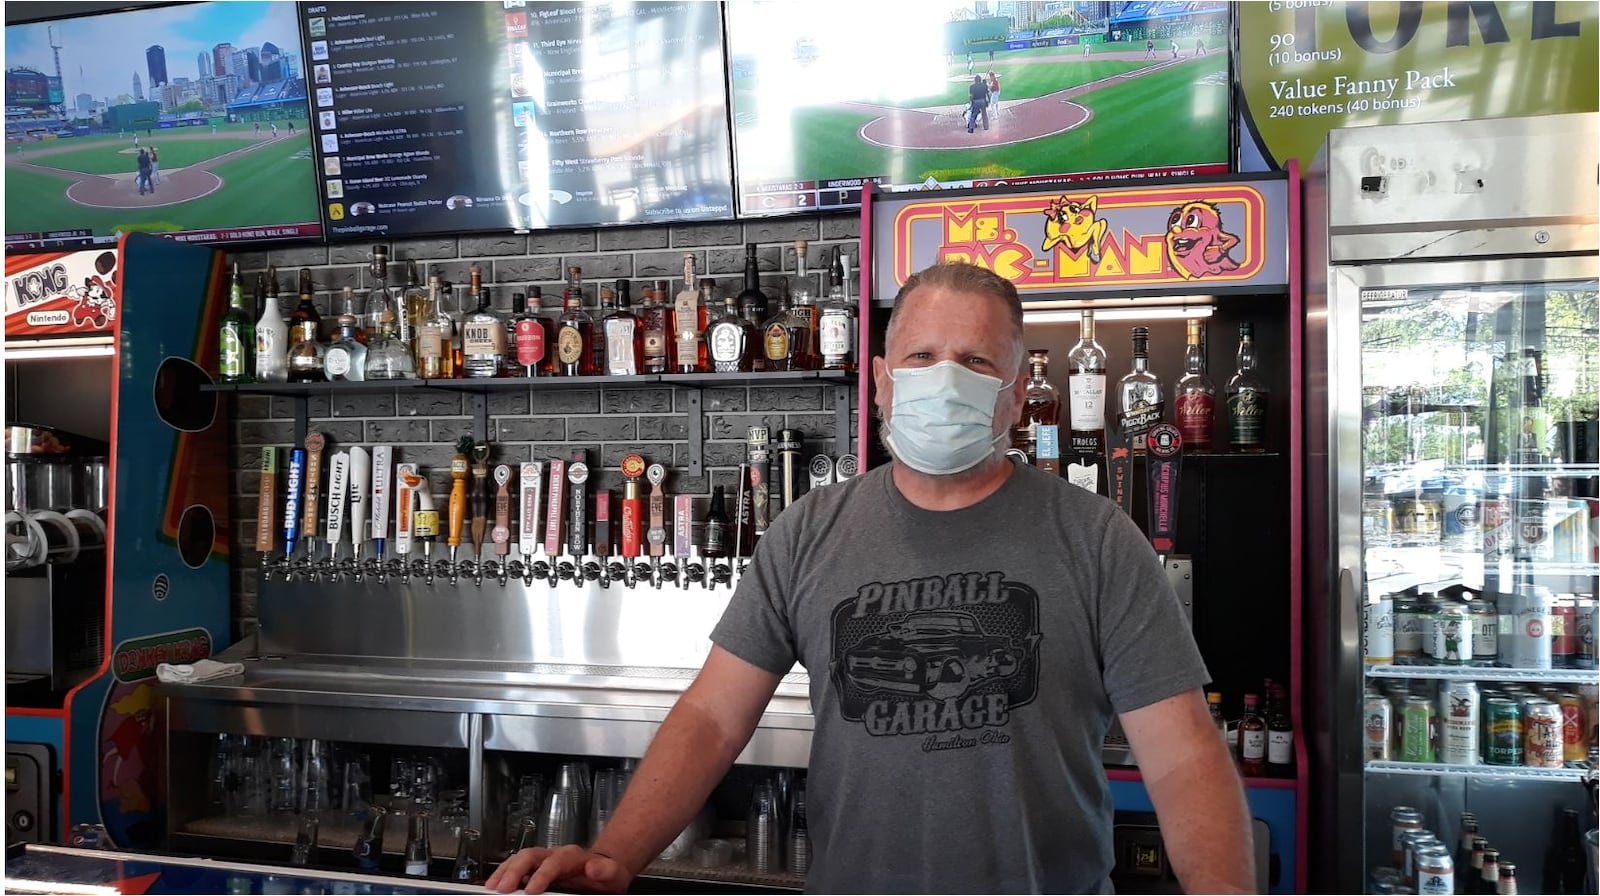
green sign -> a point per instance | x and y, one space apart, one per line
1306 68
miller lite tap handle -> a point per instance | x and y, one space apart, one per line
501 534
266 528
360 495
458 492
315 442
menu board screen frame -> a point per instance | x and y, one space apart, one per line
228 123
517 116
892 110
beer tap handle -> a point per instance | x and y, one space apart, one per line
360 503
382 477
458 499
311 505
338 497
683 535
291 502
266 519
479 500
578 506
404 517
501 533
656 535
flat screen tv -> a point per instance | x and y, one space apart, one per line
188 120
829 95
447 117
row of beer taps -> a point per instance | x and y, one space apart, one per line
529 522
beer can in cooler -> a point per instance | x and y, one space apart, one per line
1485 632
1401 820
1407 631
1574 727
1377 631
1496 527
1502 727
1458 723
1411 843
1416 732
1435 871
1463 521
1452 634
1377 727
1524 638
1588 620
1542 745
1428 611
1564 633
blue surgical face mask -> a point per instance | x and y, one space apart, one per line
942 418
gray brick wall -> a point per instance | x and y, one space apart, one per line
540 422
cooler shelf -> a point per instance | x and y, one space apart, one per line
1483 673
1498 772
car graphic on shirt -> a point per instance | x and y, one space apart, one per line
938 655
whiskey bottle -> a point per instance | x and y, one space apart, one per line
836 320
236 337
606 305
483 336
1247 398
305 325
654 324
1194 397
380 300
548 316
803 306
525 344
751 300
346 357
575 334
624 337
716 528
689 325
408 309
1086 393
1252 739
1280 731
272 336
778 332
1140 405
732 340
1041 405
433 354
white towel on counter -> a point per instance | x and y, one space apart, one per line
204 670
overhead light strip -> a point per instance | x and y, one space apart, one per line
1058 316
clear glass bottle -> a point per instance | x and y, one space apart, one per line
380 299
1194 397
305 346
419 851
575 332
483 336
468 867
237 340
689 325
431 351
1247 398
731 339
656 326
368 848
387 357
1041 405
272 336
413 305
803 305
623 336
1086 392
1139 395
346 358
460 307
836 330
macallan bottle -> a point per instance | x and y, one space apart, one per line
1139 399
1194 397
1247 398
575 334
1041 405
623 337
655 324
1252 739
1086 393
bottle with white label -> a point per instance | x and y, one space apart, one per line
483 335
1280 731
1086 395
1252 739
836 331
272 336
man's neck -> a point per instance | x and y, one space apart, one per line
955 492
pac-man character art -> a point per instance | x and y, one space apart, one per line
1197 246
1074 224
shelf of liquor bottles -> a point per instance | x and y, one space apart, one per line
1574 771
1483 673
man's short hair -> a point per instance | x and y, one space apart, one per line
961 276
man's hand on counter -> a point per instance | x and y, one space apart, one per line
568 868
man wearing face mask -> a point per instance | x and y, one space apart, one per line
969 626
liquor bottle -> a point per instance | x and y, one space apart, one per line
689 325
732 340
1214 705
803 305
547 318
459 309
409 311
655 324
623 336
1252 739
483 335
345 357
1280 732
1086 393
779 333
237 337
380 301
387 357
1139 395
605 306
716 537
1194 397
575 334
525 345
434 358
836 320
751 300
418 850
305 324
1507 885
1041 405
1247 398
272 336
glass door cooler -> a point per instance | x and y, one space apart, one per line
1453 337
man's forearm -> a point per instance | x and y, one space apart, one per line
1205 822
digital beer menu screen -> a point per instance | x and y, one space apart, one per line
448 117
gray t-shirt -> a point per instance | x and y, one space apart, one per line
964 668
